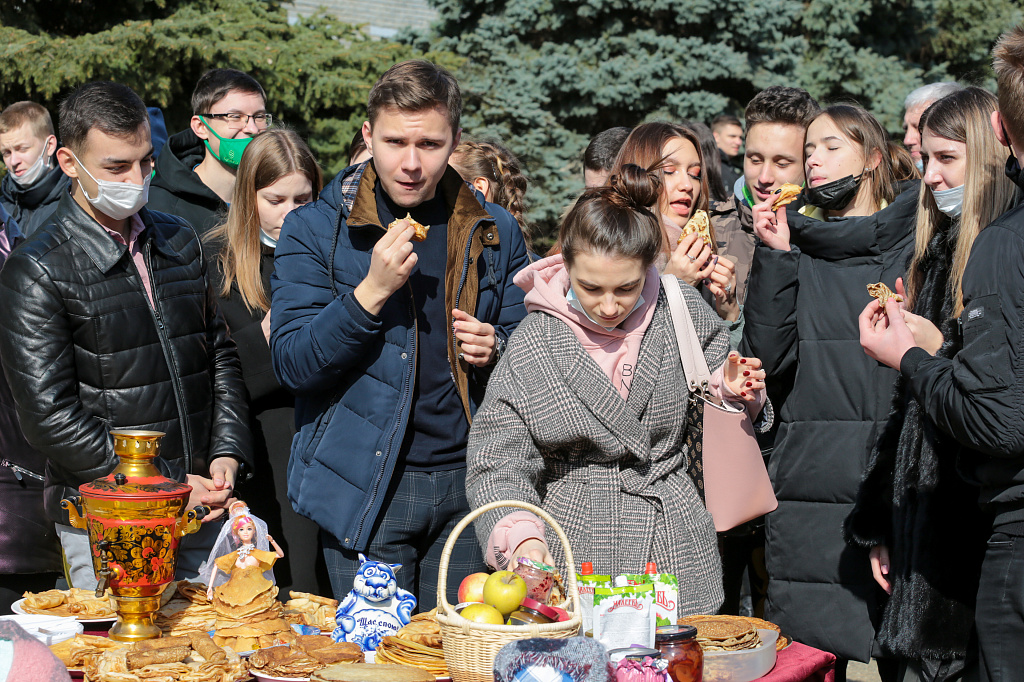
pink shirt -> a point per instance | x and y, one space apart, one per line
136 252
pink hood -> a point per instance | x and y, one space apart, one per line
546 283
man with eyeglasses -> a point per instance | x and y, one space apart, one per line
195 174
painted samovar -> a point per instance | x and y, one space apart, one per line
135 517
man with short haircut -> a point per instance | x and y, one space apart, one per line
34 182
777 120
975 396
195 173
728 134
108 321
914 106
599 157
388 343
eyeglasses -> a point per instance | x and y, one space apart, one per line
239 121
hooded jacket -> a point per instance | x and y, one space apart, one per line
84 351
801 316
546 284
352 372
32 206
177 189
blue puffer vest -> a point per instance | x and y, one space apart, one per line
352 372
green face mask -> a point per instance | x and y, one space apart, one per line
231 150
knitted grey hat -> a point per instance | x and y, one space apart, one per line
580 659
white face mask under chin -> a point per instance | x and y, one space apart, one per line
118 200
950 201
38 169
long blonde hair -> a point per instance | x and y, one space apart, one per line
963 117
268 158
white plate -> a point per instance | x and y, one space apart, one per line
17 608
48 629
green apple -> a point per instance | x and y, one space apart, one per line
482 613
505 591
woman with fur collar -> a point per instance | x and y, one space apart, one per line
914 512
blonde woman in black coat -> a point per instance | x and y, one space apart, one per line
277 173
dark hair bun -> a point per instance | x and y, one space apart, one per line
637 187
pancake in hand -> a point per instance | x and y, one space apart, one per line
421 230
699 223
883 293
785 195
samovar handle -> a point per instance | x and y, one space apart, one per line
73 506
106 572
192 521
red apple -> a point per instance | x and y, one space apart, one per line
505 591
472 587
482 613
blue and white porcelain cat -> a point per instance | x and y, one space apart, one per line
375 608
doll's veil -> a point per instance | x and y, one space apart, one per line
227 543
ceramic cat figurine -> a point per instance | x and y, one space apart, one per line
375 608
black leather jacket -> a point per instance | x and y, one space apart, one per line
84 352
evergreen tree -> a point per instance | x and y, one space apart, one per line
544 76
317 72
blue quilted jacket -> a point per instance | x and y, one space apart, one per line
352 373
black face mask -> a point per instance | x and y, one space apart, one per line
1013 170
835 195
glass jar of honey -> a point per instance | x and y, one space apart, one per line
678 645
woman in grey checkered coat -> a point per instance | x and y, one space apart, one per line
585 414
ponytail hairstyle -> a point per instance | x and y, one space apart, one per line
645 148
963 116
270 156
895 163
495 163
616 219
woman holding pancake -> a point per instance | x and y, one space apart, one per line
807 286
913 500
586 413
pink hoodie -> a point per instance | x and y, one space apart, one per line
546 283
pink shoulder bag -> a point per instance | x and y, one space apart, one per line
724 459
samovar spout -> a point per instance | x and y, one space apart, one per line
191 522
73 506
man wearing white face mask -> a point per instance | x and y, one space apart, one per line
107 320
34 182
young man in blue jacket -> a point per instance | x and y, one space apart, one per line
388 342
977 397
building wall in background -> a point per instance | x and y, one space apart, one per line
384 17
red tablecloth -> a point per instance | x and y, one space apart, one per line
799 663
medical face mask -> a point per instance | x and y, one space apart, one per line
38 169
118 200
835 195
231 150
919 164
574 302
950 201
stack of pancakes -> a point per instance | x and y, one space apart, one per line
755 623
417 644
722 634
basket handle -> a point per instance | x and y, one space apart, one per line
446 553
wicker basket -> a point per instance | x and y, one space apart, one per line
470 648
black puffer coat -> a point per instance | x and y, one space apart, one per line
801 314
84 352
914 501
